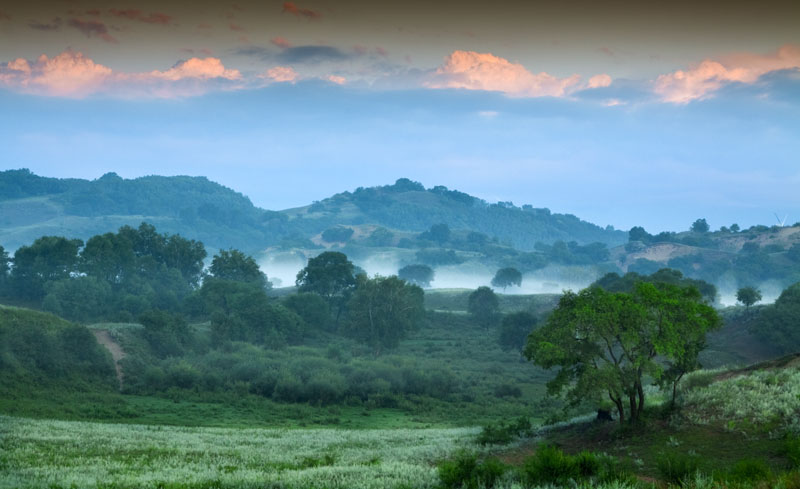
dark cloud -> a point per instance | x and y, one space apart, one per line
92 28
46 26
311 54
139 16
295 54
291 8
4 16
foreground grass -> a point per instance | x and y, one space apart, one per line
56 454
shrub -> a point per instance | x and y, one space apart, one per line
502 433
549 465
791 449
749 470
466 472
507 390
677 468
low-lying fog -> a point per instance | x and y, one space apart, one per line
282 268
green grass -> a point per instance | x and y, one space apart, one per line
56 454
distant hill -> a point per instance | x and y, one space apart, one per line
32 206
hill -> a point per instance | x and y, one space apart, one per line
32 206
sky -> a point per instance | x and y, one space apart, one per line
623 113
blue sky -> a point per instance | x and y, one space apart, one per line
620 119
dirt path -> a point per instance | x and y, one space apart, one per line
116 351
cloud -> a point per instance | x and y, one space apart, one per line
280 74
46 26
339 80
71 74
138 15
198 68
235 27
311 54
281 42
702 80
291 8
485 71
93 28
598 81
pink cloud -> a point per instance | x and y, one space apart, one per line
485 71
71 74
138 15
339 80
198 68
281 42
291 8
280 74
702 80
597 81
93 28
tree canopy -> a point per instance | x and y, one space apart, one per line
483 306
506 277
748 296
235 265
418 274
605 343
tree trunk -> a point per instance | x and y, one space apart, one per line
640 391
634 412
620 409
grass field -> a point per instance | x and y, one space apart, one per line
62 454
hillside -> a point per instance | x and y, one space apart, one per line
32 206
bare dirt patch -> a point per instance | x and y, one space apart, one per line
112 346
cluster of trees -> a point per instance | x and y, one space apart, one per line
779 323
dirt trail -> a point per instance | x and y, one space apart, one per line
116 351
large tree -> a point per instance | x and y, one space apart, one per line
421 275
606 343
383 310
483 306
506 277
748 296
331 275
47 259
235 265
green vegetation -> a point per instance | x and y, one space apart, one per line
778 323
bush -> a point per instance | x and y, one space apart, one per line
791 449
749 470
549 465
677 468
507 390
466 472
502 433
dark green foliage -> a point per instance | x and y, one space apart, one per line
779 323
383 310
167 334
507 277
39 348
507 390
613 282
549 465
749 470
643 266
466 471
78 298
421 275
502 433
48 259
637 233
700 226
748 296
338 234
791 449
329 274
311 307
439 233
235 265
484 307
677 468
380 237
572 253
514 330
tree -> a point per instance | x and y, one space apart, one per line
383 310
605 343
235 265
439 233
337 234
748 296
4 269
637 233
735 228
779 323
506 277
312 308
331 275
514 331
484 306
48 259
700 226
421 275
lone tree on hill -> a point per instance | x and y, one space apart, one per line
605 343
506 277
748 296
484 306
421 275
700 226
